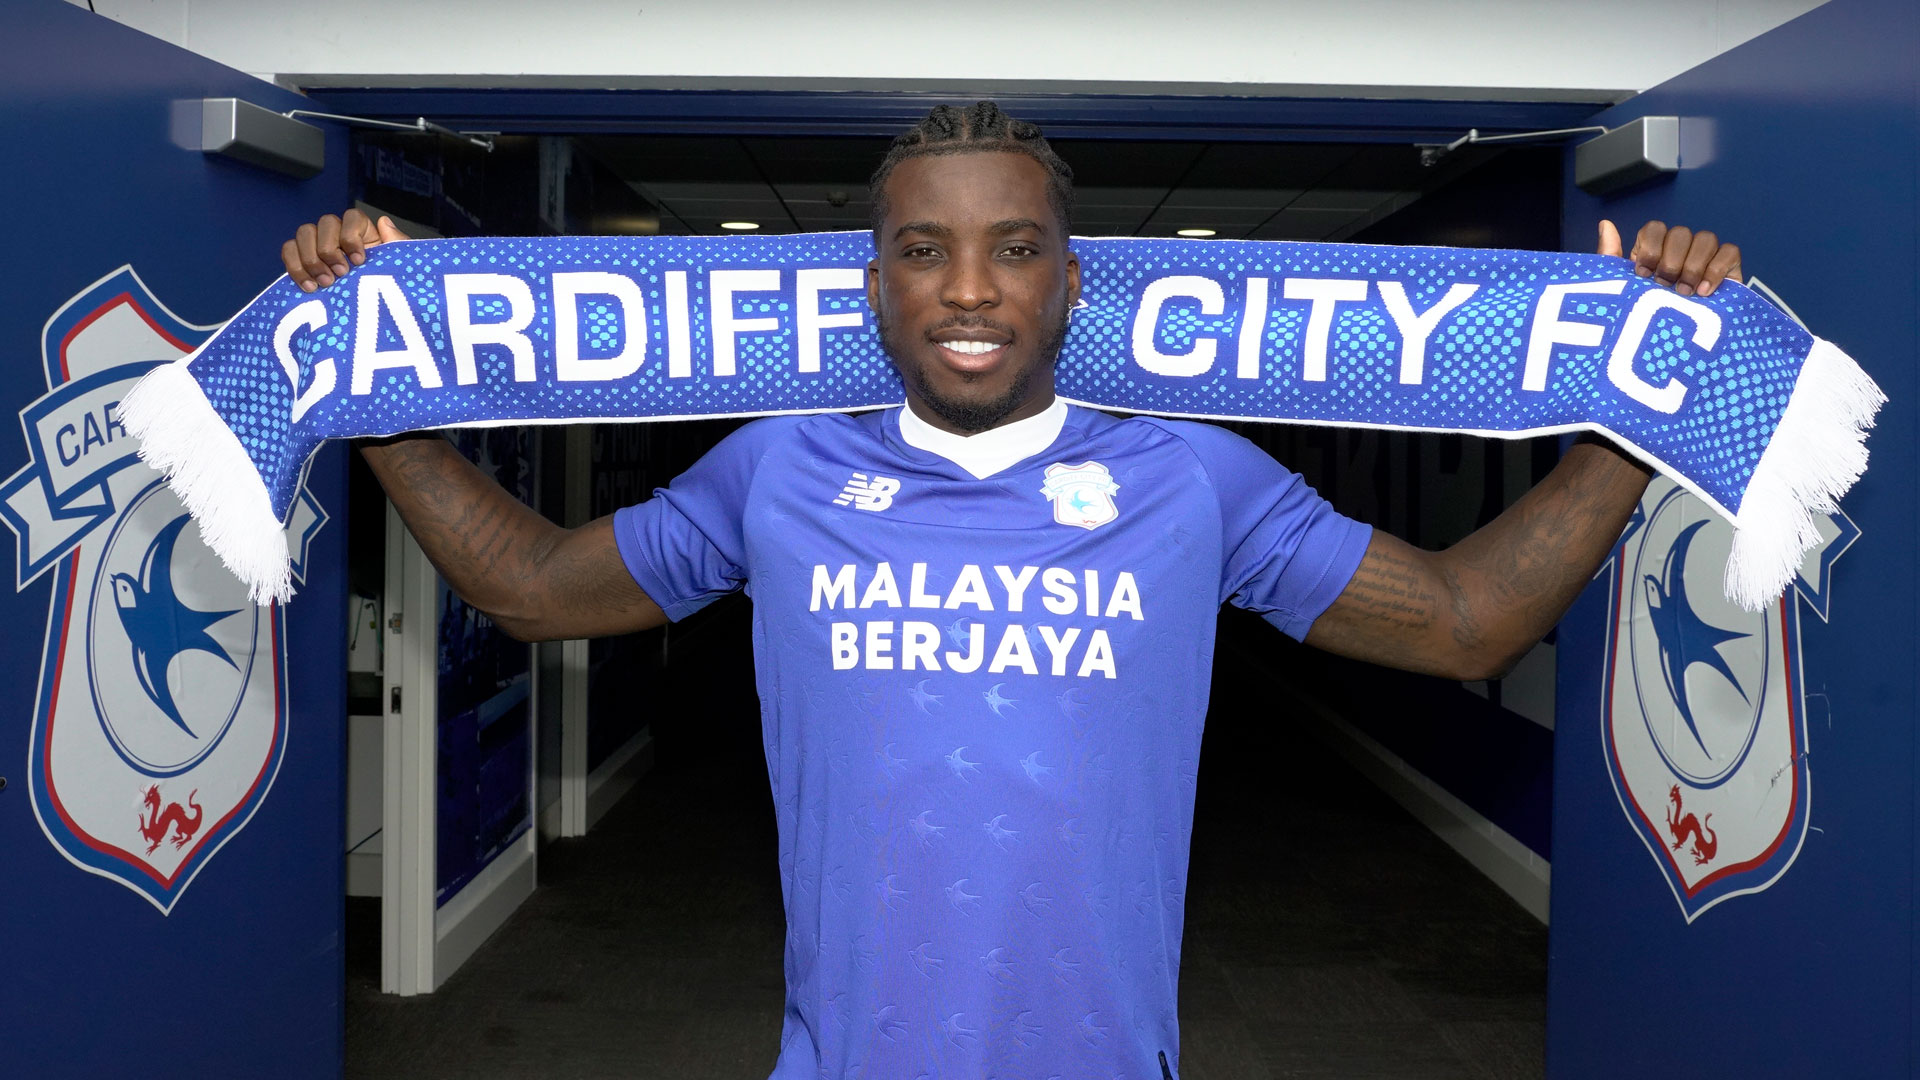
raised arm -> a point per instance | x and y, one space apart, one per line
537 580
1473 610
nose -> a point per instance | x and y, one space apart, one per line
970 283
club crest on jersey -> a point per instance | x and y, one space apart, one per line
161 715
1703 703
1082 494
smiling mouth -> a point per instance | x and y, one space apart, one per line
973 350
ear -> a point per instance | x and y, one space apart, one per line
1073 280
873 285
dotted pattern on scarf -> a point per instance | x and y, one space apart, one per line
1472 372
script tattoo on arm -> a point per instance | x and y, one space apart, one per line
538 581
1472 611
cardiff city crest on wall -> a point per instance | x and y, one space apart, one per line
1703 703
160 718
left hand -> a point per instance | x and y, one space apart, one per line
1689 262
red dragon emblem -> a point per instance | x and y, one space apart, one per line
155 823
1706 843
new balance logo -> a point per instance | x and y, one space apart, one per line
862 493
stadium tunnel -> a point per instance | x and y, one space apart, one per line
561 858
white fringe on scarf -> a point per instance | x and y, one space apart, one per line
203 461
1817 452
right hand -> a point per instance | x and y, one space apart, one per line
321 253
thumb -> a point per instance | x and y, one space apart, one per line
390 232
1609 239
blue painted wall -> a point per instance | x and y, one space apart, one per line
1801 146
243 977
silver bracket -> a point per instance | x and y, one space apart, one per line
1431 154
1639 150
421 125
243 131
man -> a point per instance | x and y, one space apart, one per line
984 625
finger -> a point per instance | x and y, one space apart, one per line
1699 253
296 269
356 234
1673 255
1724 264
321 274
1646 247
389 231
1609 238
326 245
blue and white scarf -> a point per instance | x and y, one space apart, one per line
1729 396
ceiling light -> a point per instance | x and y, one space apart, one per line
740 226
1196 233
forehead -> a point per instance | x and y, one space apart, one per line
968 188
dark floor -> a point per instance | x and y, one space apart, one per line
1328 933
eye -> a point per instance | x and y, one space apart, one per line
921 251
1020 249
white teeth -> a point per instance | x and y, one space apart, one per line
970 348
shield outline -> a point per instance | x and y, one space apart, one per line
124 287
1759 873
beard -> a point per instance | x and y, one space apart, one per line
969 417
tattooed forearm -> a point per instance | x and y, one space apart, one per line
536 579
1504 587
1391 590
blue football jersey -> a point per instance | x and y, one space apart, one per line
982 702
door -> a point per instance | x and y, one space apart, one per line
1734 840
170 813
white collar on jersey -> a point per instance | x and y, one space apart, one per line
992 450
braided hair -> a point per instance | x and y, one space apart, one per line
977 128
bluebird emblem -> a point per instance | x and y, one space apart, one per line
999 833
1036 901
926 830
964 902
1025 1031
995 701
958 762
924 960
918 692
1685 638
957 1033
160 626
998 965
1035 770
1064 969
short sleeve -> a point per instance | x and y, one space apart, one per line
686 546
1286 552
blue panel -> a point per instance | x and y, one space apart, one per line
484 726
1799 145
619 669
1064 116
217 952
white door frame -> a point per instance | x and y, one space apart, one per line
422 942
574 792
